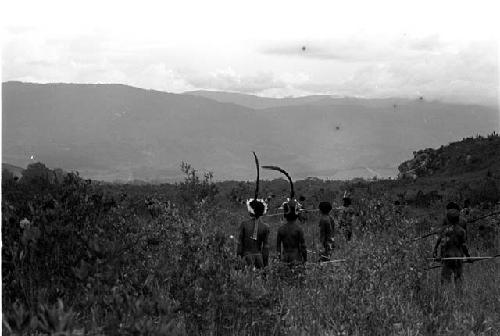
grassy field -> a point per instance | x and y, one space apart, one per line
93 264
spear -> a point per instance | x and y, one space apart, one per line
428 235
281 213
488 215
329 262
465 258
469 221
333 261
473 259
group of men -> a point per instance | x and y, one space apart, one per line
253 237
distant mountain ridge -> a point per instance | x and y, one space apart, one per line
257 102
110 132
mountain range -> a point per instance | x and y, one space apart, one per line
117 132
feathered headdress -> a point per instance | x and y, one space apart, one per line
291 204
346 198
253 203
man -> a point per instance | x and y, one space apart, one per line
398 208
452 239
253 236
326 228
290 242
302 214
153 206
466 208
454 208
346 217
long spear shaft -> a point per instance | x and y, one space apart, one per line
469 221
465 258
460 258
427 235
281 213
481 217
333 261
330 262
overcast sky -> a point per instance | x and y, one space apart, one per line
445 50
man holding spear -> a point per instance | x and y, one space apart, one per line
452 240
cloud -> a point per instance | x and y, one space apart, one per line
159 76
229 80
362 48
93 57
346 50
426 43
403 67
19 29
362 65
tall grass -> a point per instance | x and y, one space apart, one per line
103 270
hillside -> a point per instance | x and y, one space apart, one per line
472 155
14 170
117 132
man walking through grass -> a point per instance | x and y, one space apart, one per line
253 238
326 228
290 242
452 239
346 217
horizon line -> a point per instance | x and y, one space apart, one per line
326 95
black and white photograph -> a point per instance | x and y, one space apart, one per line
192 167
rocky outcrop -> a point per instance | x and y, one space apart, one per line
424 163
469 155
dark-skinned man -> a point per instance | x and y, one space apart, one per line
253 237
290 241
452 240
326 228
346 217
